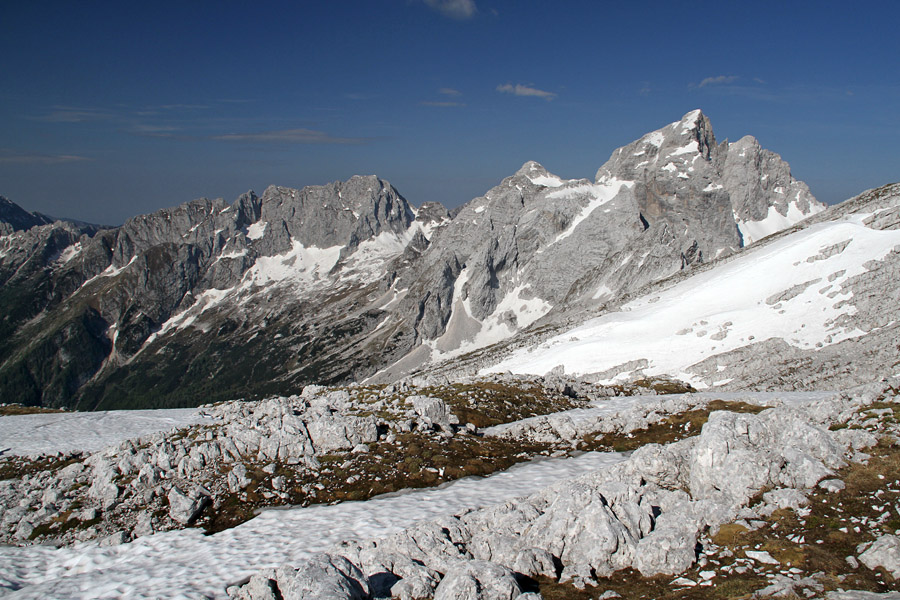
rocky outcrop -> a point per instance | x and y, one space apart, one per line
885 553
170 480
647 513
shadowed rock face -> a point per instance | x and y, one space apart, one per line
331 283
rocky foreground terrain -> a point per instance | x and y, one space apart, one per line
563 389
716 495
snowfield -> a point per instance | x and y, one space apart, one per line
47 433
794 288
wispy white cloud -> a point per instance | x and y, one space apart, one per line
446 91
443 104
26 158
289 136
455 9
70 114
525 90
718 80
157 131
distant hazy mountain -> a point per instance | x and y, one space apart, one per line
15 218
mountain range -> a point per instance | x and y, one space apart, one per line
350 282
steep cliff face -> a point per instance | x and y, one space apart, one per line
331 283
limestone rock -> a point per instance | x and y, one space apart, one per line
433 410
478 580
325 577
884 552
185 508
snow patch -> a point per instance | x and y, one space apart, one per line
298 265
654 138
367 262
690 148
598 194
773 222
25 435
188 564
547 181
257 230
69 253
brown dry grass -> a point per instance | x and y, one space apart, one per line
8 410
670 429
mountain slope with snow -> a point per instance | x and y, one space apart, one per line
347 281
826 293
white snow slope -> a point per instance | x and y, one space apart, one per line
790 289
86 431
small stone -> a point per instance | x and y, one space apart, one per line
761 556
832 485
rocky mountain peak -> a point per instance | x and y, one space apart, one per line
432 212
672 149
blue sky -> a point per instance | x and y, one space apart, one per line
112 109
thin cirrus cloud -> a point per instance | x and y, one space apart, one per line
455 9
442 104
289 136
525 90
25 158
718 80
69 114
449 92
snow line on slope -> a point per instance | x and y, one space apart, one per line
187 564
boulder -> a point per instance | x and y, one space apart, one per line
884 552
184 508
433 411
478 580
325 577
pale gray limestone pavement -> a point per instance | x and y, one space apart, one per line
478 580
167 480
648 512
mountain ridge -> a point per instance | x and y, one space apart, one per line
347 281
